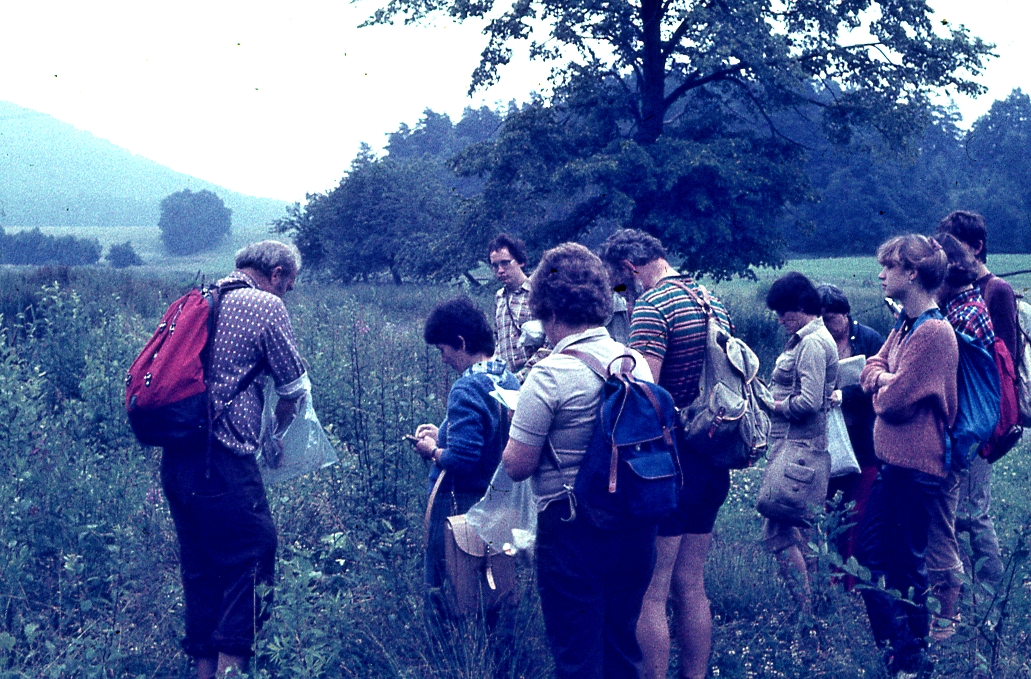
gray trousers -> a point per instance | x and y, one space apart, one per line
975 499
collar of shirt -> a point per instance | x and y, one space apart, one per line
523 289
588 335
490 367
808 329
238 275
966 297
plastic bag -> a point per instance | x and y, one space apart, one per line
843 458
506 517
305 446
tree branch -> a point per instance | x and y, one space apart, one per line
694 82
674 39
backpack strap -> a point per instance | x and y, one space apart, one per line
214 416
704 300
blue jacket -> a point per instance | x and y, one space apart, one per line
473 434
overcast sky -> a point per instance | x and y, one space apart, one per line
273 98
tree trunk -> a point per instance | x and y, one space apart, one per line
396 273
653 73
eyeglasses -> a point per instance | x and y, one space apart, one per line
501 264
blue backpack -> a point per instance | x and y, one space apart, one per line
630 473
979 396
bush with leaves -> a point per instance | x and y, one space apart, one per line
193 222
123 255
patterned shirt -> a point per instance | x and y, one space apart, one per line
253 334
512 309
667 324
968 314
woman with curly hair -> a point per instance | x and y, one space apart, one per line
591 581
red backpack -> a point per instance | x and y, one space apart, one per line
1007 432
166 393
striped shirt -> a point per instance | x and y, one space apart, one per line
512 309
668 325
968 314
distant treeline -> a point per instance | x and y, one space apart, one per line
38 249
784 186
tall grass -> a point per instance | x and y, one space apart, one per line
89 585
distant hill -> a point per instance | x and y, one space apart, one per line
52 174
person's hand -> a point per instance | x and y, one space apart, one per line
835 398
429 430
272 449
426 446
884 379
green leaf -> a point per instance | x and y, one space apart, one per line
6 641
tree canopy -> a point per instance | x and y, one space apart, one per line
399 213
193 222
667 115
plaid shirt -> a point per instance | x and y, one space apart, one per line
968 314
512 309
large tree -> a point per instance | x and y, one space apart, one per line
398 213
664 112
193 222
998 183
386 215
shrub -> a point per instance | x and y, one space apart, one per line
35 248
193 222
123 255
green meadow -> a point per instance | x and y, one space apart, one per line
89 583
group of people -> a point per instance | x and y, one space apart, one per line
604 593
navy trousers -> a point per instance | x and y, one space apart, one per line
591 584
227 545
892 542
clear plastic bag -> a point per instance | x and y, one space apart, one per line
843 459
305 446
506 517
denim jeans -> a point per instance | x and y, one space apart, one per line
892 542
592 583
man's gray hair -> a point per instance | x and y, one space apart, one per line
267 255
632 245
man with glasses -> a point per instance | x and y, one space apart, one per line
512 308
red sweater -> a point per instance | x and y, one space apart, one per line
914 409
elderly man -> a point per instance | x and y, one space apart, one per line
669 329
227 541
512 302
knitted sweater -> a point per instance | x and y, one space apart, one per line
914 409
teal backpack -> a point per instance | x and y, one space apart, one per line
979 395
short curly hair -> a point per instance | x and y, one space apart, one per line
266 255
630 245
460 319
916 252
794 292
571 285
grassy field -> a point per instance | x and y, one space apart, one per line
89 583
